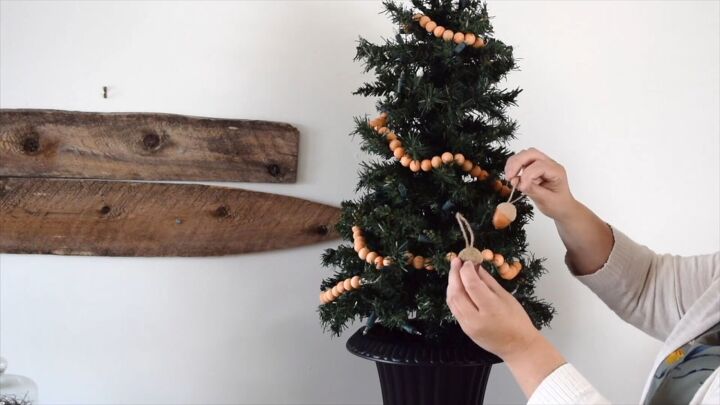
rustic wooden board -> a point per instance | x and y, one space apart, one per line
139 146
108 218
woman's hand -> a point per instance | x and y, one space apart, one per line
496 321
588 238
542 179
487 313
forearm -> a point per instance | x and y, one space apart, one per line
531 365
588 238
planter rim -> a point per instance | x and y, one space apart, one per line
385 346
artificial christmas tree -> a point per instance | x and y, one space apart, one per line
440 135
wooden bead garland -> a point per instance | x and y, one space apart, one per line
380 262
507 270
379 124
340 288
447 35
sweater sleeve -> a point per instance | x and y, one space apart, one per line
650 291
566 385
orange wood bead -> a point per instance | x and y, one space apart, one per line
370 258
426 165
418 262
430 26
340 287
459 159
505 191
479 43
356 282
347 284
447 157
378 262
415 166
504 270
395 144
399 152
487 255
497 185
436 162
424 20
391 136
417 16
448 35
376 123
509 272
387 261
335 292
476 171
362 254
329 297
356 229
357 246
467 165
405 160
439 31
383 130
498 260
459 38
469 39
484 175
322 298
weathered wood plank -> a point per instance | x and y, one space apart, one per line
108 218
143 146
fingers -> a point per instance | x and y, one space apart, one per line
522 159
457 298
476 289
489 280
534 176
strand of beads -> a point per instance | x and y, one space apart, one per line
379 124
507 270
448 35
364 253
331 294
380 262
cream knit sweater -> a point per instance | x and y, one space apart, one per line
671 298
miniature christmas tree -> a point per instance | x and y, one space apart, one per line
440 135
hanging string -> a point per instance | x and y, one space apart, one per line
466 230
510 200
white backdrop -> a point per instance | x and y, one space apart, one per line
625 94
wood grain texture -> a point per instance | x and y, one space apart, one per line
108 218
140 146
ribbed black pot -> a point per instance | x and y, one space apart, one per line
413 371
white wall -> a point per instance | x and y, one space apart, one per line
625 94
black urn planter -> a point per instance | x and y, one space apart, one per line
413 371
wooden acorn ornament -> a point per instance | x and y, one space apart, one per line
505 214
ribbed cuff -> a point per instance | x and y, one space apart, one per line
566 385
